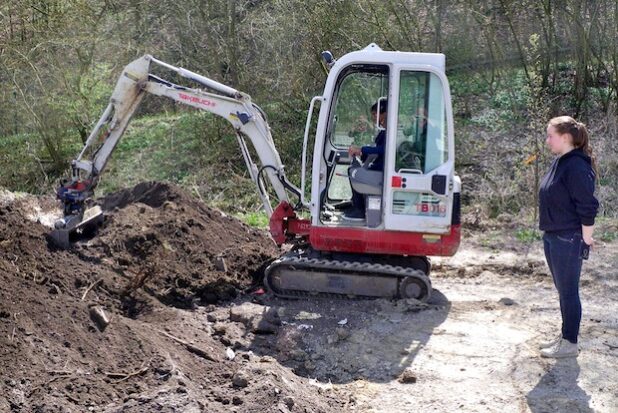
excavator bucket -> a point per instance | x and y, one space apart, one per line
66 229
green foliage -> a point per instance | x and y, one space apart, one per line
608 236
528 235
511 66
255 219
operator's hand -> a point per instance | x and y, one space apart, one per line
588 240
354 150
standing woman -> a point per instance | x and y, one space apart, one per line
567 209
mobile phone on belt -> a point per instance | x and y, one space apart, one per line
585 251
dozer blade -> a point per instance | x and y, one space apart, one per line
65 228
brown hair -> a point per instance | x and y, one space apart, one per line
577 131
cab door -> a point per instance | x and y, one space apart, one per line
419 170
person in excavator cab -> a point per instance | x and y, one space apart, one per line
372 157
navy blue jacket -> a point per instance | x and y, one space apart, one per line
566 197
378 149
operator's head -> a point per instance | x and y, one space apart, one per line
383 106
421 117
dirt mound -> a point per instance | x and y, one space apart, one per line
158 246
181 250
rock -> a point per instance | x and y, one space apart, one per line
507 301
407 377
220 329
289 401
240 379
488 274
395 318
309 365
97 314
237 401
220 264
229 353
245 312
298 355
412 305
257 318
263 327
306 315
342 333
170 205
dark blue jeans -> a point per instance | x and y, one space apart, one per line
563 254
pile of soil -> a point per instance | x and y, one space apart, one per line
182 251
99 328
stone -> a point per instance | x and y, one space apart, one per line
298 355
239 379
407 377
289 401
507 301
342 333
220 264
245 312
219 329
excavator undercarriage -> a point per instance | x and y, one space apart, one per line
309 273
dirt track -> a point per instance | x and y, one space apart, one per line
188 334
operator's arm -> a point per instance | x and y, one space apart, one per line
378 148
372 150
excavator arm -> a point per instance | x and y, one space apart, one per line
247 119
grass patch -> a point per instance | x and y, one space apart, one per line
608 236
254 219
528 235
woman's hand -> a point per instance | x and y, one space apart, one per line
587 234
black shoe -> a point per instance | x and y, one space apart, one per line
354 214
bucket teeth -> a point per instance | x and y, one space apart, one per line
92 217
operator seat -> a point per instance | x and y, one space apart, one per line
366 181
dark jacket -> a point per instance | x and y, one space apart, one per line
566 197
378 149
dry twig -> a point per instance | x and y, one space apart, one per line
193 349
94 284
125 376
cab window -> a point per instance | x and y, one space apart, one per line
421 123
360 86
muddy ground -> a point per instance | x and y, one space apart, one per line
190 331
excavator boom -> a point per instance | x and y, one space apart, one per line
247 119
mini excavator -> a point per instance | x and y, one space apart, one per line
412 205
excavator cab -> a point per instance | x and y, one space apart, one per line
412 203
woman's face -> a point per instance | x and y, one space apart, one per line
558 144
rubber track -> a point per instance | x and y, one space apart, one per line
294 262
